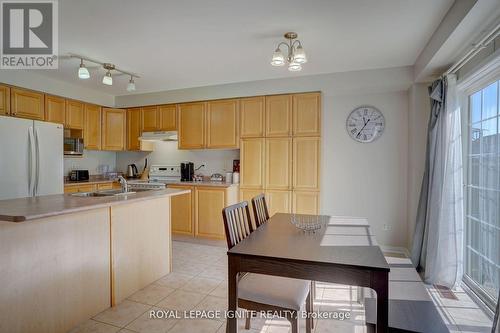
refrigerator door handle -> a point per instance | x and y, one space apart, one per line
31 145
37 165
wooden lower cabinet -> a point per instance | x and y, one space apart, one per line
104 186
209 202
75 188
247 195
305 202
278 201
182 211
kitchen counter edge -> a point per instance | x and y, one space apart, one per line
33 208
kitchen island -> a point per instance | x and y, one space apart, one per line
64 258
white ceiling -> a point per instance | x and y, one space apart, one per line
181 44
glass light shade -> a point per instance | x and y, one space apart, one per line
278 58
299 56
107 79
83 72
131 85
294 67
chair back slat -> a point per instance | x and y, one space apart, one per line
260 211
237 223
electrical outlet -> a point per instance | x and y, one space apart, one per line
387 227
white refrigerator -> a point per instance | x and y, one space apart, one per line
31 158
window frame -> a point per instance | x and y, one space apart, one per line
485 74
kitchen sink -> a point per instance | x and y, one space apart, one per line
108 193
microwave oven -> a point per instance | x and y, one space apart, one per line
73 146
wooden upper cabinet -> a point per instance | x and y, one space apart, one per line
149 119
278 170
307 114
27 104
278 115
133 128
167 117
306 163
222 124
305 202
4 100
252 115
74 114
92 127
114 124
192 125
55 109
252 163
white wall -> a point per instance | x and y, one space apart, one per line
91 160
357 179
167 153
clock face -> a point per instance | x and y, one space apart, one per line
365 124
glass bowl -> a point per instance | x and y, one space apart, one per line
307 223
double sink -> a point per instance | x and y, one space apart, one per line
108 193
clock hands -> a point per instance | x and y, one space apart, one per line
366 123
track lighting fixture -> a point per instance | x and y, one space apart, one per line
107 79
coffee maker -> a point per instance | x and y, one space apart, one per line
187 171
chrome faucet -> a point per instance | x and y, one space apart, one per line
123 183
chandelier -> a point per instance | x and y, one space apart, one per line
296 55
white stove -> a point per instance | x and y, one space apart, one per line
165 173
159 177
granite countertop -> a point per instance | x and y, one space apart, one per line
26 209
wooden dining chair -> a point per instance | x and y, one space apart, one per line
261 215
260 211
258 292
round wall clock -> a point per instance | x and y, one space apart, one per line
365 124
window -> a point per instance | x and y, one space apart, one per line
482 233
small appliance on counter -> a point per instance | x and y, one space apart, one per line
216 177
132 171
236 165
236 177
187 171
79 175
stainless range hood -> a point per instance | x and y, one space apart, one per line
159 136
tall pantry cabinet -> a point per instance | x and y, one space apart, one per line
281 151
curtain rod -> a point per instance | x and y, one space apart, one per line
487 39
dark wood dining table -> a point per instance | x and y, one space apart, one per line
340 252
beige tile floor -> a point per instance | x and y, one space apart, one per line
198 283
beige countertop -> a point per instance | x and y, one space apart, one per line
26 209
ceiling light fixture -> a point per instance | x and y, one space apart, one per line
131 84
296 55
83 72
108 79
